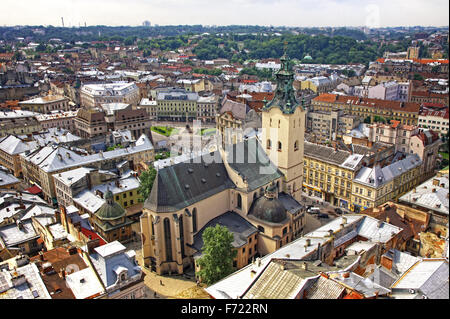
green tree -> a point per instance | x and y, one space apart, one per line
418 77
146 182
218 254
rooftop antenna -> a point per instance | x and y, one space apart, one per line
62 19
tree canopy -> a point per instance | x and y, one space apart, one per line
146 182
218 254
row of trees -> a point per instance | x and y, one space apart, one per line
323 49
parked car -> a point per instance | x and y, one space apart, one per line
338 211
322 215
314 210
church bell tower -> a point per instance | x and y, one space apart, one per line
283 124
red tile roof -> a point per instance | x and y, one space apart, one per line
34 190
421 61
381 104
441 113
92 235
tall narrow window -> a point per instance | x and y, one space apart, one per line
168 239
194 220
239 201
181 235
279 146
269 144
153 226
296 146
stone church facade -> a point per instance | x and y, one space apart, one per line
252 187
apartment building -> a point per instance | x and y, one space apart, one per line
39 167
330 125
435 120
46 104
60 119
377 185
174 104
94 95
329 173
405 112
10 149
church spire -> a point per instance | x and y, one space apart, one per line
284 97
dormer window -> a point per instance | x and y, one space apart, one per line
123 276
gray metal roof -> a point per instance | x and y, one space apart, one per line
327 154
110 259
237 225
424 196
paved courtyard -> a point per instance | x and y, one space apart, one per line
164 286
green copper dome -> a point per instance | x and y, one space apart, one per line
110 210
269 208
284 97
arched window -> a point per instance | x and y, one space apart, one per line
279 123
279 146
269 144
168 239
239 201
296 146
293 187
181 235
194 220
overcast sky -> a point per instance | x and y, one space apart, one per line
303 13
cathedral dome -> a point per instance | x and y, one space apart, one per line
110 210
269 208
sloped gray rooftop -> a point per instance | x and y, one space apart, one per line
237 225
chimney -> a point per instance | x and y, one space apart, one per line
258 262
344 220
308 242
346 275
305 266
41 256
72 250
386 262
388 220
